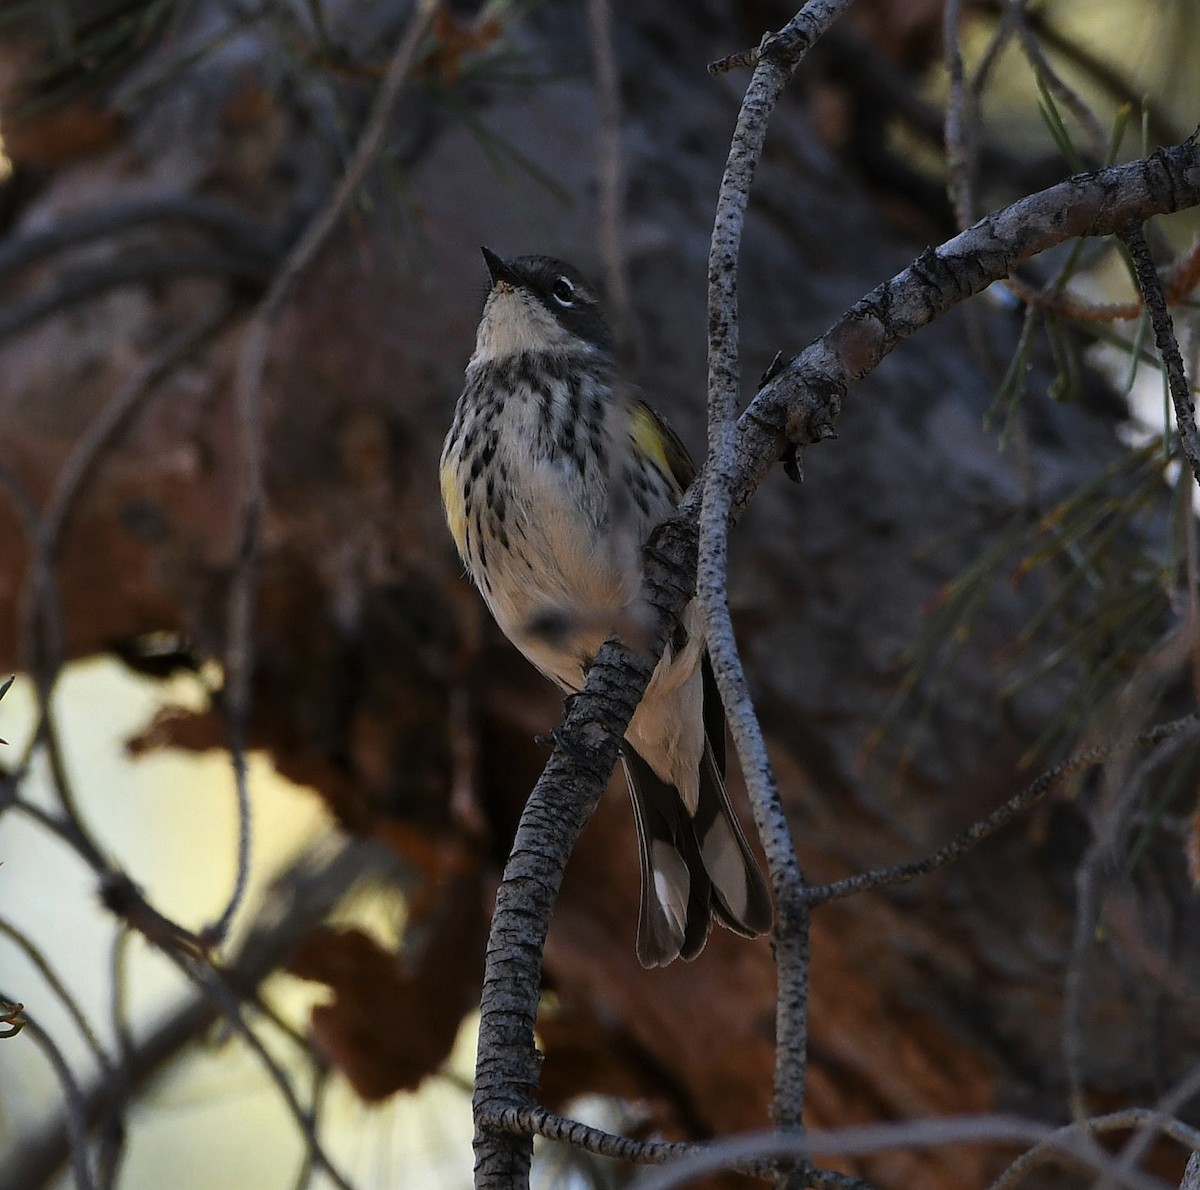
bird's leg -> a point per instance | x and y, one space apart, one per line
557 738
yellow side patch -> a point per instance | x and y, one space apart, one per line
452 502
659 443
648 435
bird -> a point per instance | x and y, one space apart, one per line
553 475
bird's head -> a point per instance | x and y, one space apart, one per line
537 303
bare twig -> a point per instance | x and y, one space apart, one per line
1056 84
865 1140
80 285
1050 1148
1161 1119
236 232
610 162
1168 345
75 1122
34 954
216 988
778 57
121 407
1100 69
960 139
1017 805
252 358
301 898
537 1121
43 634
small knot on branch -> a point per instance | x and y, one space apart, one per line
786 47
812 412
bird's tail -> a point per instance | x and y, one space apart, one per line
694 867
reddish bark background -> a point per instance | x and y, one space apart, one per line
379 680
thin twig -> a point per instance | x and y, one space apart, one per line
1051 1148
239 235
1056 84
959 132
117 413
1001 36
34 954
1168 345
75 1115
300 899
538 1121
113 1132
316 1100
83 284
1161 1119
251 364
778 57
820 894
215 987
1120 796
1100 69
43 627
611 167
865 1140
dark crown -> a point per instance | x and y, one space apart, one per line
561 289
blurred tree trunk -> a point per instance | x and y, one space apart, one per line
381 683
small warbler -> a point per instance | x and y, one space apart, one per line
552 478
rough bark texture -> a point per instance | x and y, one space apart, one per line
380 683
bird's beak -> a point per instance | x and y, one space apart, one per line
501 272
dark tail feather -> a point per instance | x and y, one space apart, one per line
692 868
740 897
742 901
676 891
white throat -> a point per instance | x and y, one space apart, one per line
515 321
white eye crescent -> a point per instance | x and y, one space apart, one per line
563 292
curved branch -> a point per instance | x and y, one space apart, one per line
796 407
778 57
82 284
301 898
1075 1141
237 233
75 1122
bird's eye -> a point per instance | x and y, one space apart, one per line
564 292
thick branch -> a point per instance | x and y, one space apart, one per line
805 394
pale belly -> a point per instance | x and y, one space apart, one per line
557 588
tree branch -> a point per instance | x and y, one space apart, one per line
1075 1141
1168 345
301 898
251 365
975 834
796 407
240 236
778 57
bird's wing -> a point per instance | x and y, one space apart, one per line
655 438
